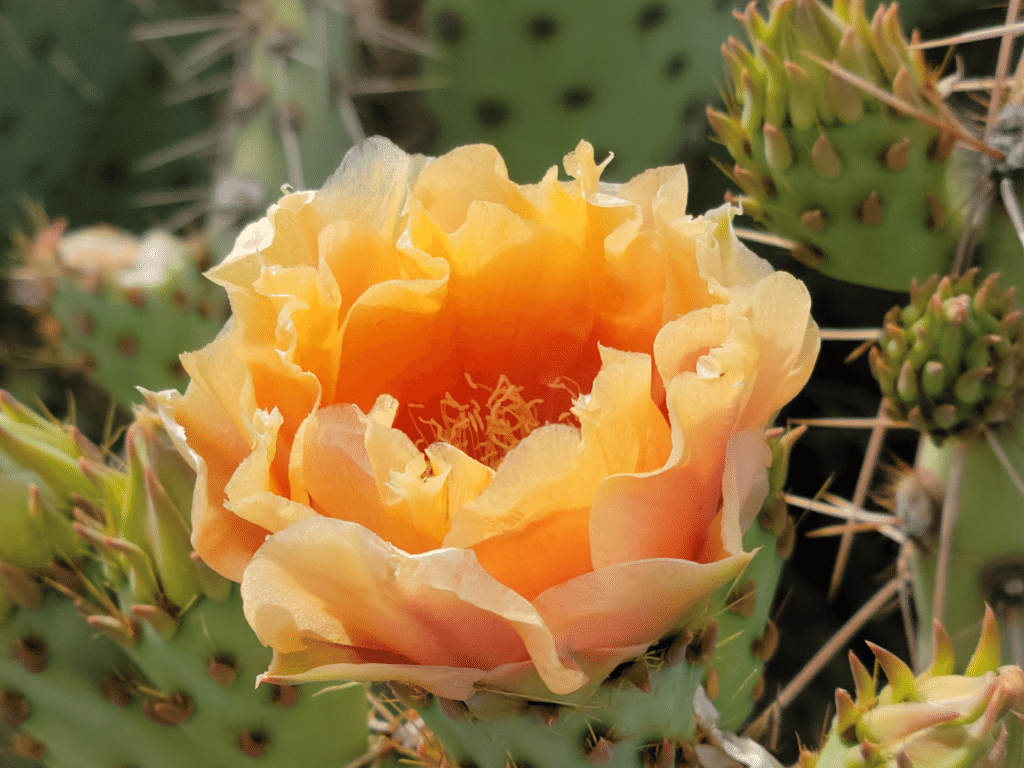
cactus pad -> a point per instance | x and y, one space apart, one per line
857 186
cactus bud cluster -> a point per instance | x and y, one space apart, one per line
823 157
936 718
950 362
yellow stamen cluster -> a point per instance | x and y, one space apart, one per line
488 430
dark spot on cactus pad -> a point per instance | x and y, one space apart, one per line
450 27
223 669
254 743
651 16
284 695
117 690
114 172
702 646
660 755
43 44
14 708
29 746
8 122
598 745
177 369
1002 584
674 67
545 713
127 345
577 97
542 26
173 710
491 113
32 652
764 647
758 690
743 598
787 539
136 297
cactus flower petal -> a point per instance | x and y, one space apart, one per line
461 424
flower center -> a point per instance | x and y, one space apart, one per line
488 422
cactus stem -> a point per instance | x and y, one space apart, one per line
897 155
826 161
950 511
871 210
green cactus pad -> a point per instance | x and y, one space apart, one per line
643 709
856 186
535 78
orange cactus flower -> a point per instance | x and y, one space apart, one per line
460 431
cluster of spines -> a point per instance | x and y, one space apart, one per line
838 142
951 362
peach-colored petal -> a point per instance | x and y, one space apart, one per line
335 582
632 602
321 662
348 410
211 432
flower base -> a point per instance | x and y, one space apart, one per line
641 715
